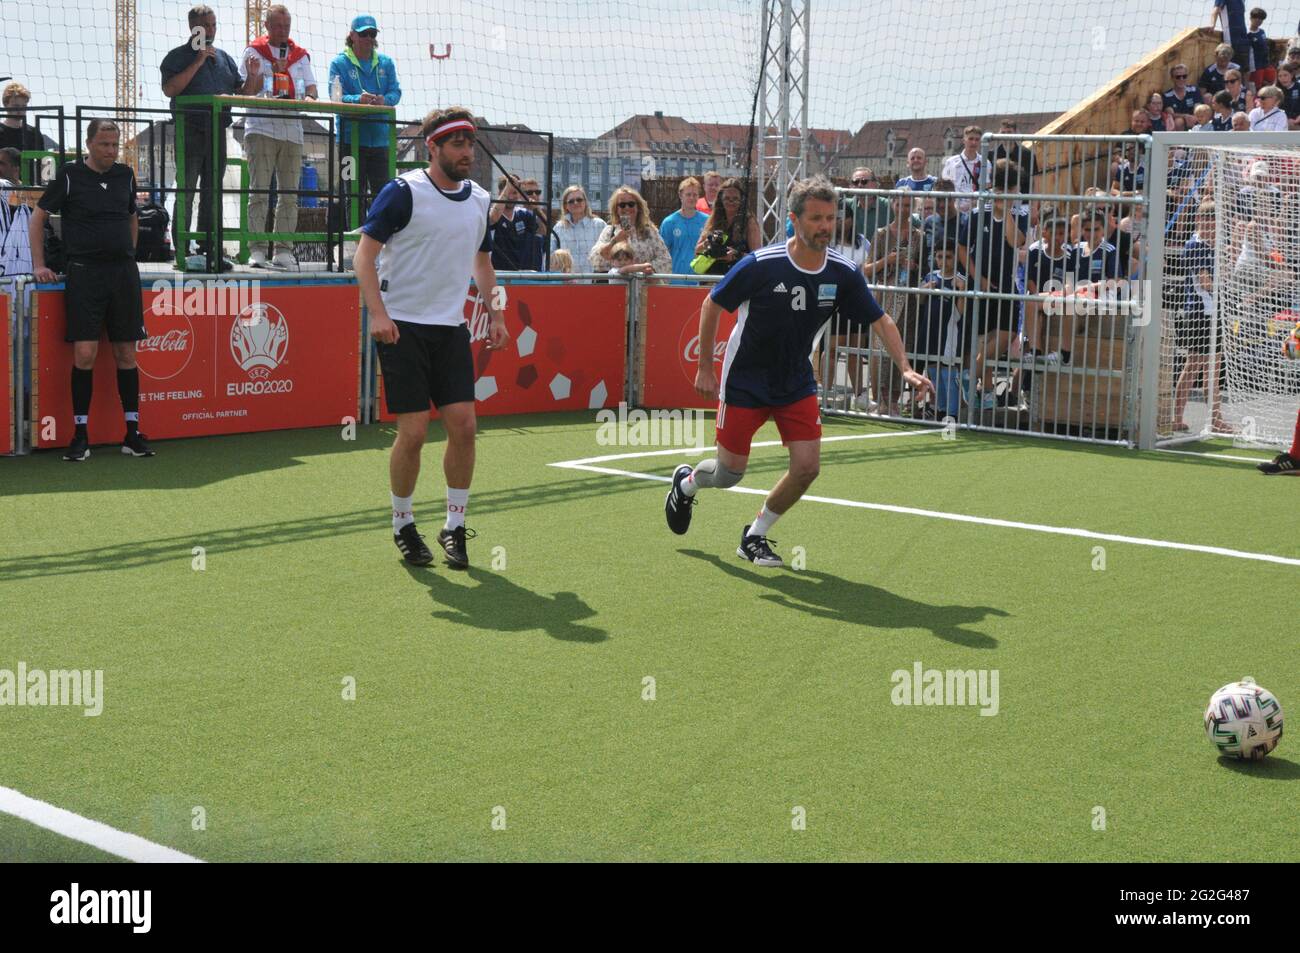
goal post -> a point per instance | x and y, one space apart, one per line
1224 268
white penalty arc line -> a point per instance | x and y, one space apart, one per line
708 448
939 514
83 829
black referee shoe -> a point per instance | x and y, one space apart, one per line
412 547
1282 463
134 444
78 450
452 542
677 505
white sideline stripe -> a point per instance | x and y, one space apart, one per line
981 520
83 829
1217 456
680 451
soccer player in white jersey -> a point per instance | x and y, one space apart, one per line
426 234
782 295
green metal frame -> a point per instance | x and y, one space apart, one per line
353 113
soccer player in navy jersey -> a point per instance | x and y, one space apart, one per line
782 295
426 234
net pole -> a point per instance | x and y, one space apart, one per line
1153 316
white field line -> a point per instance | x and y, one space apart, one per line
930 514
1217 456
83 829
708 448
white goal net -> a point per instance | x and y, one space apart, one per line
1229 291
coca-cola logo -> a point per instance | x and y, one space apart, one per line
477 317
688 344
169 347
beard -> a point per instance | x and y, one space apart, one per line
452 171
815 241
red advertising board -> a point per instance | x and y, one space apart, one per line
6 377
671 346
567 350
221 357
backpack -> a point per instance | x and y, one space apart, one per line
152 243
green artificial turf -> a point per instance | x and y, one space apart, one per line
522 687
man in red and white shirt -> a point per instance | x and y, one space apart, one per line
274 145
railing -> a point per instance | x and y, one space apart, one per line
1042 354
258 107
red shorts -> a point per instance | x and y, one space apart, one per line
1264 77
798 421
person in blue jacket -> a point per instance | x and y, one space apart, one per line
366 76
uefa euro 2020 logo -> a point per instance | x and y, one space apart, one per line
259 338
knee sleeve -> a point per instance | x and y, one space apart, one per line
712 473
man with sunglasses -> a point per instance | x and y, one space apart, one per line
870 212
1182 97
369 78
515 227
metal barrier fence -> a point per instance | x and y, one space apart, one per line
22 317
1021 299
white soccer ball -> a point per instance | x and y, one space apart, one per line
1244 720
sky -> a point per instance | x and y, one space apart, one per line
577 68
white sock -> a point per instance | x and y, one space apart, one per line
402 511
692 482
457 500
763 522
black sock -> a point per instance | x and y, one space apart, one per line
128 388
83 384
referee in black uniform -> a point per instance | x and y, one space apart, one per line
97 200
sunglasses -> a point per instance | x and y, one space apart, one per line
1180 76
576 200
369 33
863 181
532 191
626 205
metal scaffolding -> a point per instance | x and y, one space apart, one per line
782 132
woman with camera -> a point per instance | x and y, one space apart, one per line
630 222
730 233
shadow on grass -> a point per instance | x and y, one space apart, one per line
498 605
229 539
1270 768
839 600
202 461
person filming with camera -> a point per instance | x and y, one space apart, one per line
729 235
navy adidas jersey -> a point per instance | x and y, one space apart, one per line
1102 263
1290 100
1198 256
779 309
1187 105
1048 273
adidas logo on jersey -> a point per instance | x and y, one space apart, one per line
780 288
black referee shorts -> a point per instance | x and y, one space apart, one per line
429 364
103 294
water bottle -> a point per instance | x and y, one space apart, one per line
336 89
268 81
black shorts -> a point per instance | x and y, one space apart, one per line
104 294
428 364
1193 331
1000 314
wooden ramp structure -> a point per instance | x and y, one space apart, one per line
1069 168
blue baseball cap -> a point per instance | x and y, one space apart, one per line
364 23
